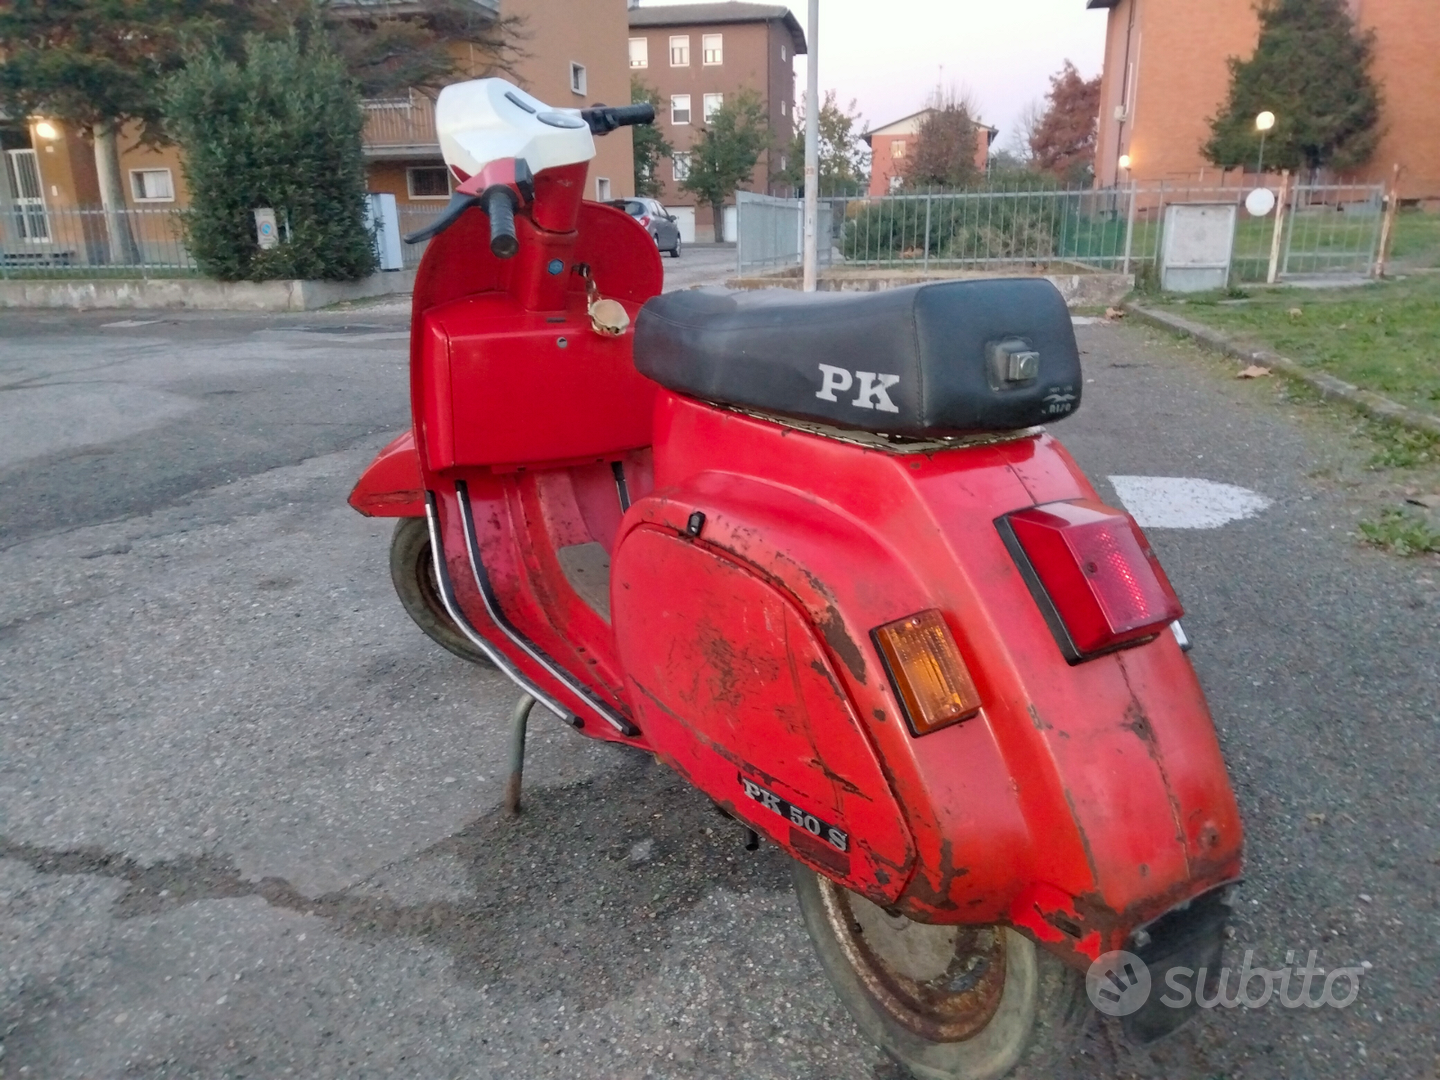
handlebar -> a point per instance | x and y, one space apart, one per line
604 119
500 206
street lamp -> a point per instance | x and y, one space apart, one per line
1264 123
1124 162
46 130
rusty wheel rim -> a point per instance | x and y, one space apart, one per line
943 983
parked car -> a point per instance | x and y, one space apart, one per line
657 221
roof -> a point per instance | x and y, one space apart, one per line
713 14
1092 4
884 129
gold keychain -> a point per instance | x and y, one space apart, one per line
608 318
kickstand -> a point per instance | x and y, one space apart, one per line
517 752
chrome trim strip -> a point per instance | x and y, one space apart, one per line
452 607
492 609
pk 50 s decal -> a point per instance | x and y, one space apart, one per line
835 837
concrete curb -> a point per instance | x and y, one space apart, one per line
1328 386
198 293
1079 290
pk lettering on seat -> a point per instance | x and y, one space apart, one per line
873 387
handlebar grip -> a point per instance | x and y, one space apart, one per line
604 119
500 205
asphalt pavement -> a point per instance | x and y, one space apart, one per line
249 815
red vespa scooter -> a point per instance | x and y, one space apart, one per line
815 552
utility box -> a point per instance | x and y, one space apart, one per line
1198 245
267 234
383 221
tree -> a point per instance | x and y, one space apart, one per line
842 165
100 66
946 145
1063 140
1311 68
387 54
649 141
725 155
279 129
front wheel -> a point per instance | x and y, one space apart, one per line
947 1002
675 251
412 569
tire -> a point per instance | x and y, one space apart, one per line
675 251
412 569
1018 1003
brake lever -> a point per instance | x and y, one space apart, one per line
458 204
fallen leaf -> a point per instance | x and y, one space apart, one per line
1295 313
1254 371
1316 819
1114 313
1343 326
1430 502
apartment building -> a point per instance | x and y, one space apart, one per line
575 56
892 144
1166 74
697 54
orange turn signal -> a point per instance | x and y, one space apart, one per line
927 671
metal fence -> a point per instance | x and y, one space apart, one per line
770 232
1316 230
37 241
43 242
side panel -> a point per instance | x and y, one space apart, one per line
734 690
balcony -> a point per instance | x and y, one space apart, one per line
400 127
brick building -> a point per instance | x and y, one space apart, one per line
1166 75
891 144
697 54
575 55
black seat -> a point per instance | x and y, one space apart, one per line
948 358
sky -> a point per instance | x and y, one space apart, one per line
890 56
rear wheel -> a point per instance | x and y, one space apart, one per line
412 569
947 1002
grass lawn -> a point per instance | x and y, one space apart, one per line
1383 337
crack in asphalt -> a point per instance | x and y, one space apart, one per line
615 860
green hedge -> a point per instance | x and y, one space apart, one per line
280 130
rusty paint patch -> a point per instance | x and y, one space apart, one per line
937 897
1084 840
822 669
1041 724
879 714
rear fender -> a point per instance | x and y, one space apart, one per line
1082 802
392 486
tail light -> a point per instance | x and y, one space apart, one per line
1093 574
645 220
927 671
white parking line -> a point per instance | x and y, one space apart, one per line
1184 502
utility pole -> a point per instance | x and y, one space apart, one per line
809 256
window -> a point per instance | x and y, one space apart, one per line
784 108
712 102
428 182
896 182
680 51
679 108
602 189
712 48
639 52
680 165
152 185
577 78
784 162
784 53
897 149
